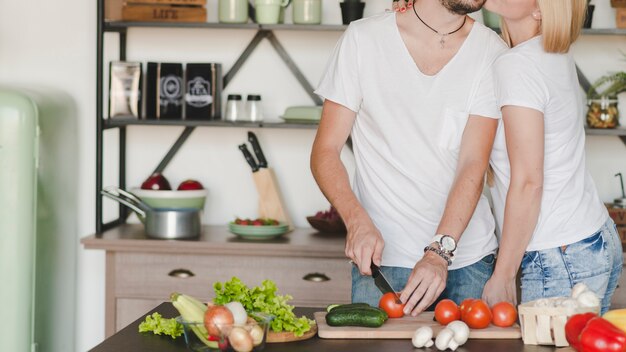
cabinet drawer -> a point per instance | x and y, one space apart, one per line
154 276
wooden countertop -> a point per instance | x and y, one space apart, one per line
218 240
130 340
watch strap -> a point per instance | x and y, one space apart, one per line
439 252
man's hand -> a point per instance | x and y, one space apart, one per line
364 244
499 289
425 284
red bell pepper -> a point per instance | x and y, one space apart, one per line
575 326
599 335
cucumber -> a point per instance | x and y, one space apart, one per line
365 316
347 306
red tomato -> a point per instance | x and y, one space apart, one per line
504 314
464 305
447 311
478 315
390 306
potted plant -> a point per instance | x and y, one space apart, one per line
602 100
351 10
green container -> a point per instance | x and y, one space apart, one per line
269 11
307 11
233 11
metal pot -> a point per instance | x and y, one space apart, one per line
170 224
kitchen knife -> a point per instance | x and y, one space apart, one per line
256 147
249 158
381 282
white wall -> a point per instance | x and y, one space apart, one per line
52 44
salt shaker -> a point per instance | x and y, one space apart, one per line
234 108
253 108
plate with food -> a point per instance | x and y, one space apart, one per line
258 229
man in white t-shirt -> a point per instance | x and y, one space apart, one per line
414 91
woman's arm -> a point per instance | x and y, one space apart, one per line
428 278
524 129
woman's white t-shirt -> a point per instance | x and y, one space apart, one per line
529 77
408 130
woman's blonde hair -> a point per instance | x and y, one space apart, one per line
561 23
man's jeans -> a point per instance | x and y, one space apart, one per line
467 282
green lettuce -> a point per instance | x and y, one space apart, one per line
161 326
263 299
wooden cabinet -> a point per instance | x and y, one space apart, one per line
141 272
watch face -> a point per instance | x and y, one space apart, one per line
448 243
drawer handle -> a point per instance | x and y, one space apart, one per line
316 277
181 273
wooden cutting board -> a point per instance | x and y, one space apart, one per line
278 337
403 328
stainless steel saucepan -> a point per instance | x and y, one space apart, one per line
171 224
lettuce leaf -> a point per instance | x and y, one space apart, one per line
158 325
264 299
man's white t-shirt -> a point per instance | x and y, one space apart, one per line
408 130
571 210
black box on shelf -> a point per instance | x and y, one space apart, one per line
203 87
125 89
164 91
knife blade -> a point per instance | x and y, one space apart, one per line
256 147
249 158
381 282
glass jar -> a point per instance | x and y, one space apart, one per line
253 108
602 113
234 108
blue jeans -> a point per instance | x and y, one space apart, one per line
467 282
595 260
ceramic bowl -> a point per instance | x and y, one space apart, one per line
172 199
328 226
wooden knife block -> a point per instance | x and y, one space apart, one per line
270 200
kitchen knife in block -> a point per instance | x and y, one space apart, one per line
270 201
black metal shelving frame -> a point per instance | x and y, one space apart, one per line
262 32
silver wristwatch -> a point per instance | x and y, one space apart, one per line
447 244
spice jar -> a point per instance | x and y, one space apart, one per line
234 108
253 108
602 113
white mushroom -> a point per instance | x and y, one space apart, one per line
588 299
578 289
445 340
422 337
461 331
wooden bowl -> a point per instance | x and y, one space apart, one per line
328 226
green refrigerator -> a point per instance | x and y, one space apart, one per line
38 242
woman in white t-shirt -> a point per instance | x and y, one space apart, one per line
554 227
